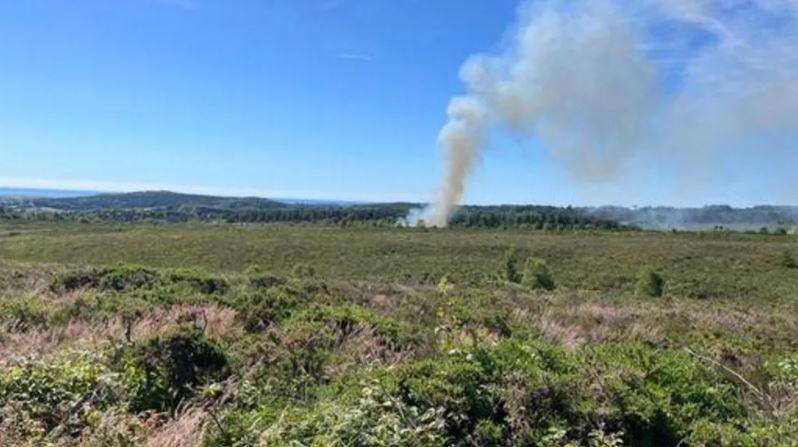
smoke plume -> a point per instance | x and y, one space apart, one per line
598 82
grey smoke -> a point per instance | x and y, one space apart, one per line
587 79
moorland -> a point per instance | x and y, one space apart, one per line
224 333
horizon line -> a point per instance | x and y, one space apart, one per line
48 185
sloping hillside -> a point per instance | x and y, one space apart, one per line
153 199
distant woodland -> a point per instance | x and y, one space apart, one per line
164 206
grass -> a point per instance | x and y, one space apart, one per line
232 335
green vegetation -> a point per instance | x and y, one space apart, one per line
163 372
271 335
649 284
785 259
510 271
537 276
164 206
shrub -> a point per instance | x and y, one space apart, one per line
659 396
509 268
127 277
528 389
199 281
94 307
348 319
487 434
23 314
516 392
302 270
537 275
39 395
454 385
649 283
786 260
374 418
163 371
474 315
70 281
265 281
260 310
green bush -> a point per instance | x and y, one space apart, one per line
97 307
70 281
453 384
198 281
509 267
265 281
528 393
258 311
537 275
375 418
127 277
318 344
302 270
348 319
470 315
786 260
165 370
64 392
487 434
649 283
661 395
23 314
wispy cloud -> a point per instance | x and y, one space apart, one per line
352 56
186 4
330 5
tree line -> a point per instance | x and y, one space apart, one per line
382 215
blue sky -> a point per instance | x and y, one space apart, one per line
323 99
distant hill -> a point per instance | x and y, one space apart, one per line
153 200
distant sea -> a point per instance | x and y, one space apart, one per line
50 193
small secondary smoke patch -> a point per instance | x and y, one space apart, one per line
600 81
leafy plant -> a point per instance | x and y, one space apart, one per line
785 259
509 268
199 281
40 396
23 314
164 370
649 283
374 418
302 270
126 277
260 310
537 275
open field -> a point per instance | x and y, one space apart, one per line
189 334
726 265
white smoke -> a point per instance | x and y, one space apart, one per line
589 78
463 137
